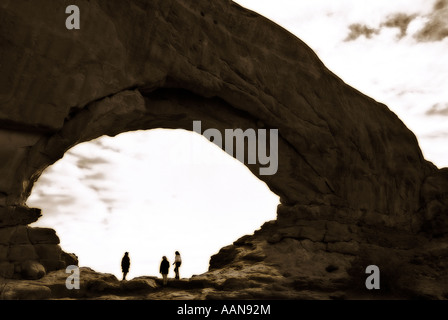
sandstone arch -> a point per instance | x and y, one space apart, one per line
343 157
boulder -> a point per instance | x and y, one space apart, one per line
43 236
135 285
4 249
19 236
22 252
48 251
5 235
69 258
6 270
25 291
32 270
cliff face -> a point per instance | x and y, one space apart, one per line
353 184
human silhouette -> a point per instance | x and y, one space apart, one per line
177 262
164 268
125 264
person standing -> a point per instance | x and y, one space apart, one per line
164 268
177 262
125 264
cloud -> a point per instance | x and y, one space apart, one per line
400 21
88 163
434 28
397 20
102 143
440 5
96 176
437 135
357 30
54 201
438 109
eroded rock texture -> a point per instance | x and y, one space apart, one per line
354 187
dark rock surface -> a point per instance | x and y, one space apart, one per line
355 189
259 267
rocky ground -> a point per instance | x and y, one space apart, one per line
277 262
260 282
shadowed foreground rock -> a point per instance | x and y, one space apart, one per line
264 266
354 187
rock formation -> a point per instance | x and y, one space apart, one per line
355 189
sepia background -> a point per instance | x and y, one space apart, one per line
154 192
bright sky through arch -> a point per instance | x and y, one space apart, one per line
150 193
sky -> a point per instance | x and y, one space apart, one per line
393 51
150 193
154 192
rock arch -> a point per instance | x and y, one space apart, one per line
343 157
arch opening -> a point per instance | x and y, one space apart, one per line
150 192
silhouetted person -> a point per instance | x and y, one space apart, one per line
177 262
125 264
164 268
